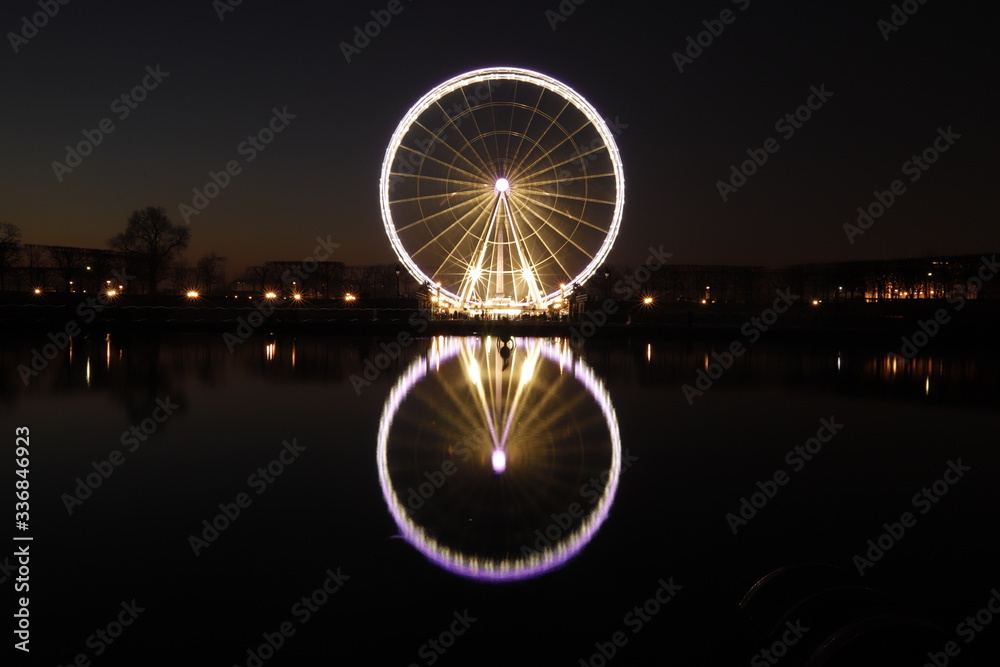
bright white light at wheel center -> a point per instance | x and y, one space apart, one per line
503 185
499 461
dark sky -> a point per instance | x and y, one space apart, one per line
320 175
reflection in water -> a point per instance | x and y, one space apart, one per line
499 460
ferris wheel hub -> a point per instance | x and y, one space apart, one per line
502 185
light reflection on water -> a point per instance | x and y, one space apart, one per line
486 452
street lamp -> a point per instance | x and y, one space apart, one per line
397 281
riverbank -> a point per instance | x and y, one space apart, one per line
940 320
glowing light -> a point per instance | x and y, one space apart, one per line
270 295
521 211
349 297
816 302
648 300
38 291
297 297
514 566
193 294
704 301
112 292
499 461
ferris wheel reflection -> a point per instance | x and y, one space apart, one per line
499 459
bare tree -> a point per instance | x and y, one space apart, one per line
154 240
10 250
69 263
209 270
181 276
35 265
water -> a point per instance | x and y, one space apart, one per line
543 490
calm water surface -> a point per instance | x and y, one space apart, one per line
557 495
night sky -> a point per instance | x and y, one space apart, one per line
679 131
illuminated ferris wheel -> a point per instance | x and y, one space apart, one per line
502 188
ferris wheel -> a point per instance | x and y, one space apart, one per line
502 187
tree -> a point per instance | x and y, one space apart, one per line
35 265
153 240
208 271
10 250
69 263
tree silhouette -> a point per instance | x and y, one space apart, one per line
10 250
208 271
153 240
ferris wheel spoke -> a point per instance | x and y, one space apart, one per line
522 190
574 178
570 216
442 196
465 139
451 208
577 157
546 222
552 123
450 181
468 231
479 135
527 128
577 154
541 239
529 273
510 127
449 165
493 115
474 272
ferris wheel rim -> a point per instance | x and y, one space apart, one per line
484 75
